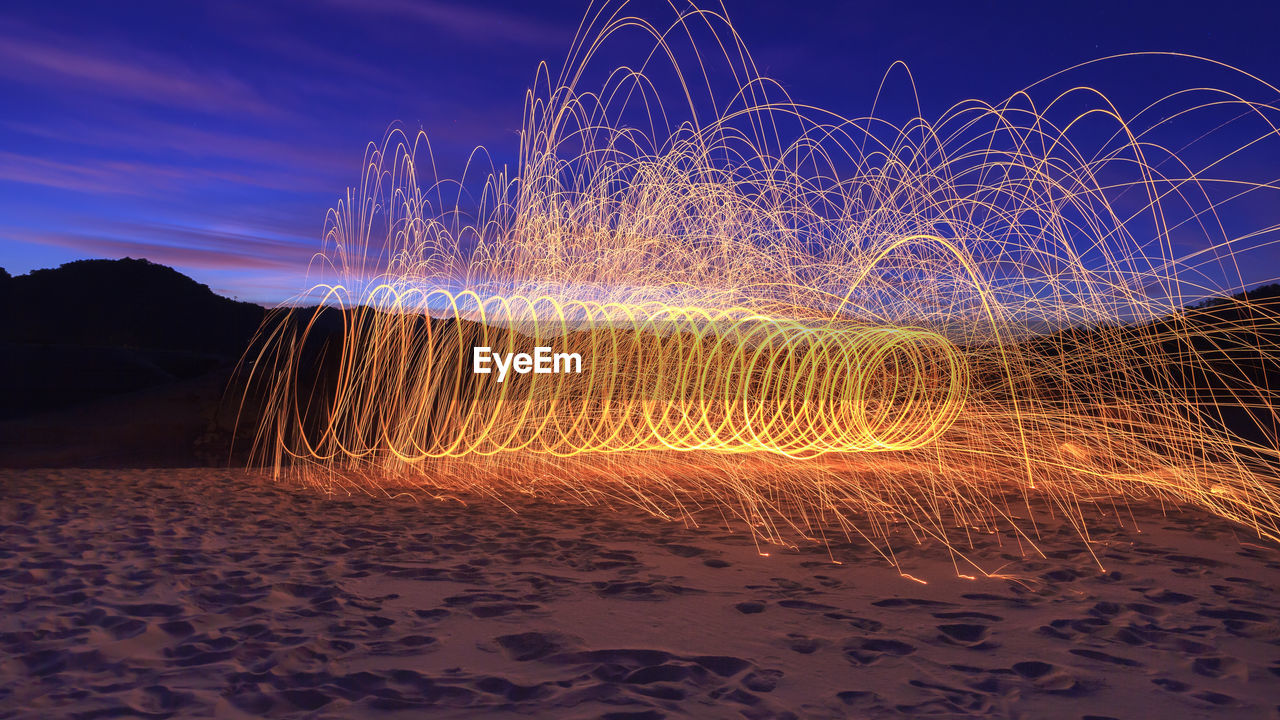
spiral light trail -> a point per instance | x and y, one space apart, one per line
807 323
654 377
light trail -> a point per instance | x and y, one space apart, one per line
794 319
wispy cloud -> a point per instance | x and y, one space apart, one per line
140 178
61 175
27 56
489 26
198 248
134 133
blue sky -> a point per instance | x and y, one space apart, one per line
214 136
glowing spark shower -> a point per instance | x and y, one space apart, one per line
797 320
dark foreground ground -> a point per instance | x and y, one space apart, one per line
178 593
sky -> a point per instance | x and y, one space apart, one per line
214 137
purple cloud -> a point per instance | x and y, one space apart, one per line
40 58
200 248
489 25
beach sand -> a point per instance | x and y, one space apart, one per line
197 592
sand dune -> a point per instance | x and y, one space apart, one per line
181 593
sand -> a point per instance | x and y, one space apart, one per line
187 593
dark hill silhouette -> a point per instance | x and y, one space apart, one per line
114 362
1268 293
126 303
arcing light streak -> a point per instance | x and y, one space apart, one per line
654 377
800 320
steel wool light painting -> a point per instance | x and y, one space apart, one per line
804 320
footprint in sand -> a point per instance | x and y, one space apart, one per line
1216 699
523 647
1168 597
911 602
1049 679
1218 666
803 644
1176 686
805 605
1032 669
969 635
869 651
1105 657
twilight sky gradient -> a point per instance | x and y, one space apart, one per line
214 136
